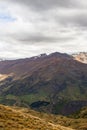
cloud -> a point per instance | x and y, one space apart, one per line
31 27
76 18
40 5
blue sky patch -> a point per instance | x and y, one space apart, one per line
6 18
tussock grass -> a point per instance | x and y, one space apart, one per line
12 118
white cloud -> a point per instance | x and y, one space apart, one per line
29 28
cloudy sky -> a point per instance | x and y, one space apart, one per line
31 27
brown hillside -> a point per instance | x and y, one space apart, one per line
17 119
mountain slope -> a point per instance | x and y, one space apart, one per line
56 82
18 119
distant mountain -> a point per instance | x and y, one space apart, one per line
1 59
82 57
55 83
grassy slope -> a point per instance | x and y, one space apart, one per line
23 119
77 121
15 118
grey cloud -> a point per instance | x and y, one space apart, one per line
47 4
75 19
45 39
39 39
81 20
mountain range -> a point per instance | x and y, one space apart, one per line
54 83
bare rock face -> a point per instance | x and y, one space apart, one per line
82 57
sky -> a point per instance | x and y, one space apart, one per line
33 27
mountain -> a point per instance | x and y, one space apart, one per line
82 57
55 83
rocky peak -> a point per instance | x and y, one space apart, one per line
82 57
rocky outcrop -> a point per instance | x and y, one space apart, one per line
81 57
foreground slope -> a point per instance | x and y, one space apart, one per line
18 119
54 83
